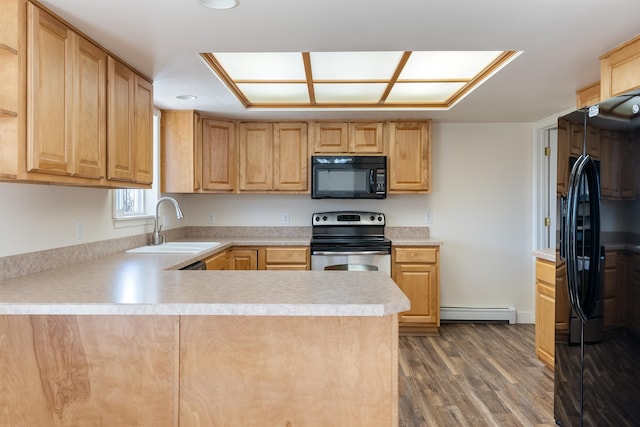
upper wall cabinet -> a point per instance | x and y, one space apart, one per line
54 85
130 118
588 95
219 156
273 157
348 137
66 121
409 151
620 69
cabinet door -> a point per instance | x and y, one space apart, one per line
545 323
50 93
290 157
218 155
243 259
180 140
331 137
256 156
409 157
366 138
419 284
89 127
121 84
142 131
610 289
217 261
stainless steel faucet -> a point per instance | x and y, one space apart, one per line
158 238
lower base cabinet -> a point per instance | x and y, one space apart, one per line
545 311
261 258
416 272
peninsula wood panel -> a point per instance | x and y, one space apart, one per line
60 371
288 371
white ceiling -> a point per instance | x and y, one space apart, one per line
561 40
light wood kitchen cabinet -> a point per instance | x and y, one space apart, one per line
180 147
273 157
287 258
256 156
130 121
66 115
619 69
409 157
588 95
545 311
290 157
197 154
613 296
55 103
219 261
241 258
416 272
348 137
219 156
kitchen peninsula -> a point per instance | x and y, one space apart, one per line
128 340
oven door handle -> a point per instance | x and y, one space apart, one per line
337 253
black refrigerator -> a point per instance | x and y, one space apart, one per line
597 348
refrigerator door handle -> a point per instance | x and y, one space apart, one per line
583 289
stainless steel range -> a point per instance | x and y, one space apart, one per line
350 240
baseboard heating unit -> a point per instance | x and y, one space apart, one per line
478 314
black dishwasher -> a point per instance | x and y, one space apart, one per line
198 265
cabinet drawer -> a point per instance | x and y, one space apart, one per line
546 272
287 255
422 255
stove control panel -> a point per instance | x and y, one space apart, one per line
348 218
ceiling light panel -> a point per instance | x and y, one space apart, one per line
263 66
395 79
279 93
423 92
446 65
354 66
349 92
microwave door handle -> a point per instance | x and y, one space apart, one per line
372 184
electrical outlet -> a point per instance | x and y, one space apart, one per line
428 218
79 230
285 218
212 218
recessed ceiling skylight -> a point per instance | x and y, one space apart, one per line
334 80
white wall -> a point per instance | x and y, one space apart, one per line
481 204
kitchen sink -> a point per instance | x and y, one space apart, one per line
175 248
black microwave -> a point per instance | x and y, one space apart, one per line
348 177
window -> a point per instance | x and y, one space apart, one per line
128 202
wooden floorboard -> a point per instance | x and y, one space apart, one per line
474 375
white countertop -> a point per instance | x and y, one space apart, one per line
149 284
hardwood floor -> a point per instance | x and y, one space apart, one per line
474 375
